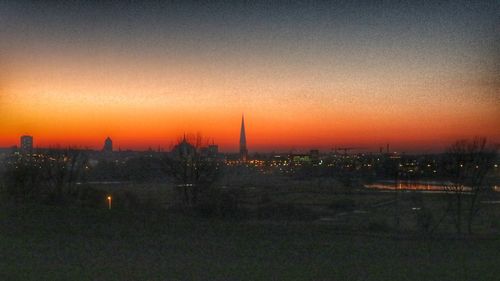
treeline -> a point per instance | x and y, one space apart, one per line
48 177
61 176
136 169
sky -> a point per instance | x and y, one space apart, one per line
306 74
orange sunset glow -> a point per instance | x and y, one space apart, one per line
298 90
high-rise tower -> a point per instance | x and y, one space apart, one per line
243 141
26 143
108 145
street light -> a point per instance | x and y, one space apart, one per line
109 202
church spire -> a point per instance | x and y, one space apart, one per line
243 140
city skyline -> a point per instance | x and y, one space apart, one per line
316 75
26 143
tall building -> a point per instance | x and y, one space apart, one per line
243 141
26 143
108 145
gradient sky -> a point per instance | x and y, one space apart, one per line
309 74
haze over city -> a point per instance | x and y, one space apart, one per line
306 75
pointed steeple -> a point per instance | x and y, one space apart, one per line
243 140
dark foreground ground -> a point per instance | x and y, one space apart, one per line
52 243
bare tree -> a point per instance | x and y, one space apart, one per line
61 170
45 176
22 177
467 163
192 172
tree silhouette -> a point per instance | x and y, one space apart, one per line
466 165
48 176
192 172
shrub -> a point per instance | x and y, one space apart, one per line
285 211
127 200
222 203
22 180
425 220
378 226
343 204
91 197
265 198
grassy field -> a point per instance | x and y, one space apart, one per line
55 243
369 208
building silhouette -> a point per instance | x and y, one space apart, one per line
213 151
243 141
26 143
108 145
183 149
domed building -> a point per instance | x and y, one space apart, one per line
183 149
